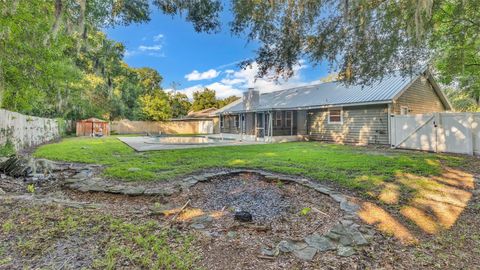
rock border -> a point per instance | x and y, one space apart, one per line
343 238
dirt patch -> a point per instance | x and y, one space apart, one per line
280 211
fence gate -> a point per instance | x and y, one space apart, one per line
438 132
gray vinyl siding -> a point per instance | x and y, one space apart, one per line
419 98
361 125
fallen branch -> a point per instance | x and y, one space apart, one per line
318 211
181 210
266 257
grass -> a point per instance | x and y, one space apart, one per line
114 241
411 195
7 149
353 167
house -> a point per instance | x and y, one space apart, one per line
205 113
331 111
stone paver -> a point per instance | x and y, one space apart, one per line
343 237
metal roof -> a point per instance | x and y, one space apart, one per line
329 94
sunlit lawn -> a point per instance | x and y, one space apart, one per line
350 166
404 189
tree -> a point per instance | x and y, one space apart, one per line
224 102
150 79
156 106
57 79
458 51
77 17
366 40
204 99
179 103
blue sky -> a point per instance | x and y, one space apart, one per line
189 61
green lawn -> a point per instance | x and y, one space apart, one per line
406 192
353 167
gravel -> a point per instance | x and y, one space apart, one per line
244 192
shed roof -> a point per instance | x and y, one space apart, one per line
202 113
94 120
332 94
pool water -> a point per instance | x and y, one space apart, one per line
183 140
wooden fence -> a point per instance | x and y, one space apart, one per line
438 132
190 126
26 131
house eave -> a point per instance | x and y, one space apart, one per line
382 102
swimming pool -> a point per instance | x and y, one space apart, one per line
171 142
184 140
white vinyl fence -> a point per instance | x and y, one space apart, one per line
438 132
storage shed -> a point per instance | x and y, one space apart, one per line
93 127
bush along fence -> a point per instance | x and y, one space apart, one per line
20 131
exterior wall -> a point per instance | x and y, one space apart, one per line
302 128
420 98
250 123
25 131
229 124
361 125
194 126
216 125
87 128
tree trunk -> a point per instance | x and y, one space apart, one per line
56 25
81 24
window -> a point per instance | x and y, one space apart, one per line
221 121
403 110
278 119
237 121
288 118
335 116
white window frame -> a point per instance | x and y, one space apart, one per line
341 116
222 121
404 110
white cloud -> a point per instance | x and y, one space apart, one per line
246 78
144 48
223 90
158 37
198 76
129 53
155 50
235 82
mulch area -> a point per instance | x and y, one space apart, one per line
276 208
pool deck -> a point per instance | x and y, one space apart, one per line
144 143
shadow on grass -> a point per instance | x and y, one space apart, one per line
435 203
